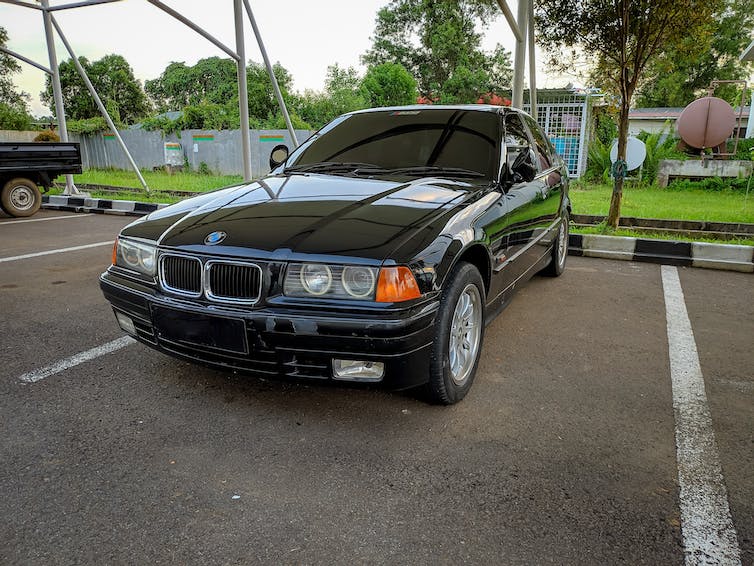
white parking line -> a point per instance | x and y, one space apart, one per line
706 524
9 222
80 358
58 251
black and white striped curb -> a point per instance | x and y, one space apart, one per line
99 205
690 254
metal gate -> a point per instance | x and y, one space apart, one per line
565 119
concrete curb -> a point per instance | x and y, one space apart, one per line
99 206
691 254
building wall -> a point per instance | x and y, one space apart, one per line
220 150
17 136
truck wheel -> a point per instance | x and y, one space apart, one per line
21 197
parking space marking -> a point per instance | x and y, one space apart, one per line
709 536
10 222
58 251
80 358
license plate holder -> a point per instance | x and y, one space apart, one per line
203 330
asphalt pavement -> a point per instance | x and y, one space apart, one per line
563 452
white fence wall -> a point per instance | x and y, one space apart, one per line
566 122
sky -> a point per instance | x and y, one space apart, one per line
304 36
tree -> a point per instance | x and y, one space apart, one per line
211 80
679 75
114 81
622 37
14 114
342 94
213 83
388 84
438 43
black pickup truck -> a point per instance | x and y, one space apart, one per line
24 167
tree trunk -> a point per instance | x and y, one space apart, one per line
613 216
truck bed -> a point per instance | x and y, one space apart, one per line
19 157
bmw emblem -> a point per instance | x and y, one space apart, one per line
214 238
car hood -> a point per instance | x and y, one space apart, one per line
309 214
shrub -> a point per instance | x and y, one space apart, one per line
660 145
47 136
598 161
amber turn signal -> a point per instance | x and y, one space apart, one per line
396 284
115 250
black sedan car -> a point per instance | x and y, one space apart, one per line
377 251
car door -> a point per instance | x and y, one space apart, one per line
522 195
549 182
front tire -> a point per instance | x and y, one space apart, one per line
458 336
20 197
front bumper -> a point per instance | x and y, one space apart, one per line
290 342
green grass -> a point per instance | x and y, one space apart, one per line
627 232
157 180
670 203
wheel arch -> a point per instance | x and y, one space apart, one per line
477 255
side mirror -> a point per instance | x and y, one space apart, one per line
278 155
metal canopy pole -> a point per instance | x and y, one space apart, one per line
274 81
532 63
98 101
196 28
520 56
26 60
57 91
243 94
23 4
81 4
511 20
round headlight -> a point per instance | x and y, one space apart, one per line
130 255
147 260
358 281
316 278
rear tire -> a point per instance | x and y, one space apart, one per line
559 250
459 334
21 197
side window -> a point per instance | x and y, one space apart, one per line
519 152
516 139
543 146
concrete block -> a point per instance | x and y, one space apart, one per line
723 256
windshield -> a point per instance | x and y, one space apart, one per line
445 142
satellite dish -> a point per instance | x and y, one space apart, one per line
706 122
636 152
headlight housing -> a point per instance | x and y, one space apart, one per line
136 256
356 282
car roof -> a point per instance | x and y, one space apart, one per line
430 107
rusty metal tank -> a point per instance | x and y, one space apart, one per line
706 122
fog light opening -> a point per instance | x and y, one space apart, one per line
126 323
357 370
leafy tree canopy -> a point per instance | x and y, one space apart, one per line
14 113
342 94
621 38
114 81
388 84
438 42
213 81
682 73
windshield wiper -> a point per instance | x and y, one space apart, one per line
328 166
428 170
